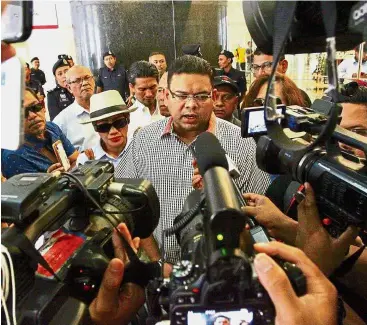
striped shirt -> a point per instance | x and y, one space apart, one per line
156 153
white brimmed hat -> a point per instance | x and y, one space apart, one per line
106 104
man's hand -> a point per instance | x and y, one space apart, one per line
325 251
317 307
113 306
197 179
268 215
55 168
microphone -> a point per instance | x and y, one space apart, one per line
224 218
221 192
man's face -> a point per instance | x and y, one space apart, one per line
223 61
222 321
109 61
36 64
60 75
159 61
191 114
225 103
81 83
262 65
116 137
145 90
34 122
27 72
161 98
354 118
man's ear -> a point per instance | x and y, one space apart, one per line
284 66
132 89
69 88
214 94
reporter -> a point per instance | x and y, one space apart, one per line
113 306
268 215
314 239
317 307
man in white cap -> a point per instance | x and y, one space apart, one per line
110 118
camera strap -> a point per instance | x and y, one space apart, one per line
284 18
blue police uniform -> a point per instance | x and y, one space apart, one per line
58 99
115 79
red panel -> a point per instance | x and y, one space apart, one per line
46 27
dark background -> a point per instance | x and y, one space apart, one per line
134 29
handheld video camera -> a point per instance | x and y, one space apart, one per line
338 178
75 214
215 275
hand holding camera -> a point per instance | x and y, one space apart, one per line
112 304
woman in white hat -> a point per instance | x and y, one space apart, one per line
110 117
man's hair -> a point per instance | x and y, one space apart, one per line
32 92
290 92
189 64
259 52
27 64
156 53
72 69
142 69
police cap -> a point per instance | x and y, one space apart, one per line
60 63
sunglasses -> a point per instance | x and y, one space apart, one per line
106 127
34 108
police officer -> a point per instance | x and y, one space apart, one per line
225 60
33 84
36 72
59 97
67 58
112 77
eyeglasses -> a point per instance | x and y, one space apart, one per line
106 127
226 98
261 101
360 131
80 80
34 108
265 66
184 97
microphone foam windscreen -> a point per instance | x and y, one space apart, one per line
209 152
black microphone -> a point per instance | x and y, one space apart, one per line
224 220
222 193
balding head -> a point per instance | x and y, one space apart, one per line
80 82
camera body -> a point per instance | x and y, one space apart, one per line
338 178
215 275
77 236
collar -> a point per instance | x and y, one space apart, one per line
99 152
169 126
38 143
141 107
79 110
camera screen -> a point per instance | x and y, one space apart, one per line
242 316
256 122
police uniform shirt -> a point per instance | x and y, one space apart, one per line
58 99
36 86
115 79
38 75
235 75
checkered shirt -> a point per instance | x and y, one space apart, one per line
157 154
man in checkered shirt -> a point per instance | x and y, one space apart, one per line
162 152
